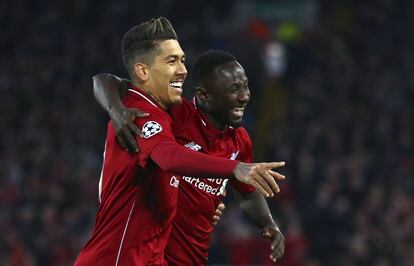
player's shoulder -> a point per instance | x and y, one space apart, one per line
183 109
182 114
143 102
158 119
242 133
241 130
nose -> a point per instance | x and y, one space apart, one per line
244 96
181 70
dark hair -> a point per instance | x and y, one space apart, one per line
141 41
205 64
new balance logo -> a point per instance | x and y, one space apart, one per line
192 145
234 155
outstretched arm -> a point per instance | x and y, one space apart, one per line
254 207
108 90
174 158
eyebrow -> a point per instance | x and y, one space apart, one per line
243 81
168 57
237 84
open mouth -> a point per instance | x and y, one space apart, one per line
177 85
238 111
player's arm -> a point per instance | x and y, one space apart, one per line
254 207
172 157
108 91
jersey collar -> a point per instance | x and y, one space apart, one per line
144 95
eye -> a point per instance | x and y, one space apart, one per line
246 84
234 88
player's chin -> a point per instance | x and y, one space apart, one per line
236 122
175 100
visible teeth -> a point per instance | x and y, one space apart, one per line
176 84
238 111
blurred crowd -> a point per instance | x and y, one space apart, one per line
338 112
349 136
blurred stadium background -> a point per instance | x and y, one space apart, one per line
332 94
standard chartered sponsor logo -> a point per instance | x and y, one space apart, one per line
174 181
200 184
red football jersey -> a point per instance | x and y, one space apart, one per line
198 198
137 198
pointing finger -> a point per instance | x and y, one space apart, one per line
274 165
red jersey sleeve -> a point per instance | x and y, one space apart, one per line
172 157
246 155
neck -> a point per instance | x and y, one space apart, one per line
149 92
211 119
157 100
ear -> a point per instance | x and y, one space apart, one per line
202 94
141 71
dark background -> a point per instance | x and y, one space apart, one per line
332 90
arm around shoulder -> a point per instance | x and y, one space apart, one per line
108 90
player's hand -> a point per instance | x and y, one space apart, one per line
260 175
277 246
123 122
218 213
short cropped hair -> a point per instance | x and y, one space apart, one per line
204 65
141 42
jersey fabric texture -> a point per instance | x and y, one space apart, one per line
198 198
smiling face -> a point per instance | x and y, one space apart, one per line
227 94
167 73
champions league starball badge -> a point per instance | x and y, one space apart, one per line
150 129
